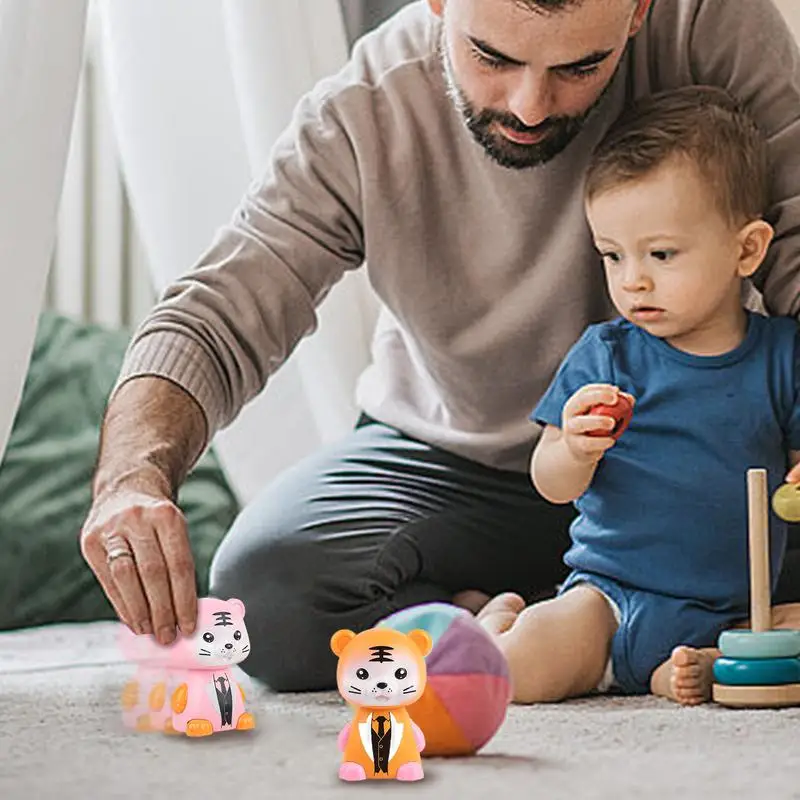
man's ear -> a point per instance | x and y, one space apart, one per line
437 6
639 16
754 239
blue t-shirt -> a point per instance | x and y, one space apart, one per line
667 508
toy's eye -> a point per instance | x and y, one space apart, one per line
362 674
237 635
208 637
400 673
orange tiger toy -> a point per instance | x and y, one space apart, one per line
380 672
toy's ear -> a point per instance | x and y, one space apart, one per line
340 640
422 640
238 605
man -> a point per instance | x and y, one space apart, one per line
449 156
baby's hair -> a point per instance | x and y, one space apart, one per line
702 124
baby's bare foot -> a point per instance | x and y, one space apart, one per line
500 613
692 674
687 677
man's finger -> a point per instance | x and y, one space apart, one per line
95 555
125 576
152 570
174 540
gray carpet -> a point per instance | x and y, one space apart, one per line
61 738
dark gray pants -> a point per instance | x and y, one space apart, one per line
371 525
379 522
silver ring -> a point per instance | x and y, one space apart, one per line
116 547
117 553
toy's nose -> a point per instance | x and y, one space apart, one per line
381 685
229 646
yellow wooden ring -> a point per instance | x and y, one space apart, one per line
757 696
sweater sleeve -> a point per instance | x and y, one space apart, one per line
224 327
748 48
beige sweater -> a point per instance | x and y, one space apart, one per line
486 275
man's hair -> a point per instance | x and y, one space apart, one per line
703 125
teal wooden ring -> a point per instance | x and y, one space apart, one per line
757 671
760 644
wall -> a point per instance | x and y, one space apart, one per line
791 10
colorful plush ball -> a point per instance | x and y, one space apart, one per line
468 690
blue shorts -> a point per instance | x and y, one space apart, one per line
650 626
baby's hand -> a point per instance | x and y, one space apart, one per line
793 476
583 431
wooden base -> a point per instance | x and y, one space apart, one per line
781 696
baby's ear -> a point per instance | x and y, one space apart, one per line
754 240
422 640
340 640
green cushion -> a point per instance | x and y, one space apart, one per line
45 480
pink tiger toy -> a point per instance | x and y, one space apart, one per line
205 696
145 701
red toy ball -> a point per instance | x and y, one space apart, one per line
621 411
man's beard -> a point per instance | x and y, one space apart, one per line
560 130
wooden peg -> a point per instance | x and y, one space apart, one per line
758 521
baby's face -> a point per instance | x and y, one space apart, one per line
671 258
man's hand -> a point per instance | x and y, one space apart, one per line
135 537
580 429
137 545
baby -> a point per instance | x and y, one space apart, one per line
674 196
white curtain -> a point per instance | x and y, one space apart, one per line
41 48
199 90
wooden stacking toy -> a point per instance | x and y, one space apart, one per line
759 668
